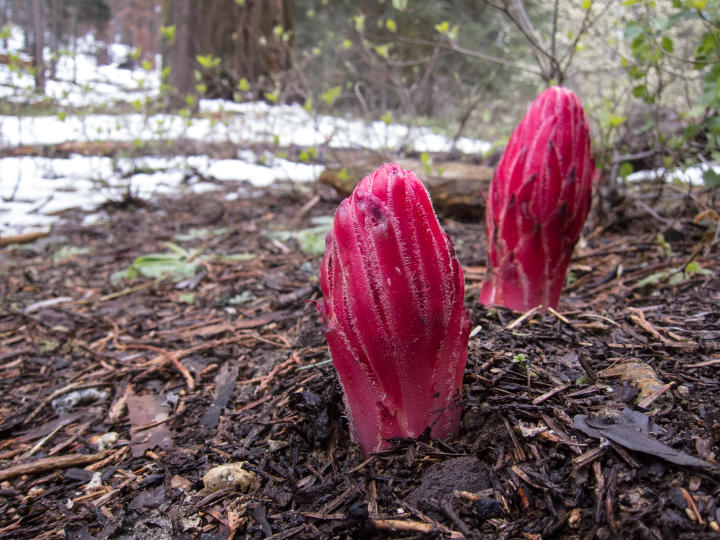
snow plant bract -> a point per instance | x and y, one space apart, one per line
393 311
538 201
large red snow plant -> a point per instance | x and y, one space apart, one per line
393 311
538 201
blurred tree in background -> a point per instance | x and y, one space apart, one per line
217 47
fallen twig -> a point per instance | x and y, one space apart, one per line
51 464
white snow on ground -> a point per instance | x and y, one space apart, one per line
691 175
43 186
34 188
253 122
80 81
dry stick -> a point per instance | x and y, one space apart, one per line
599 491
446 507
550 393
473 497
645 403
22 238
274 371
712 362
172 357
588 457
51 464
639 318
518 453
522 317
398 525
610 503
692 507
559 316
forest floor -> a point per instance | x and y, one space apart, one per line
600 421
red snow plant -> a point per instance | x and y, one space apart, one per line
538 201
393 311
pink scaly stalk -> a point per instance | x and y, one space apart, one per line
393 311
538 201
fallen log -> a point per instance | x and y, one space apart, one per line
455 187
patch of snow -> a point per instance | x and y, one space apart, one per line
36 189
690 175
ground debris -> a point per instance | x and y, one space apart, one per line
231 366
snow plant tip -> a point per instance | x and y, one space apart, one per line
538 201
393 311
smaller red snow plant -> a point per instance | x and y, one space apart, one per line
393 311
538 201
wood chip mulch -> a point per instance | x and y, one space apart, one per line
119 396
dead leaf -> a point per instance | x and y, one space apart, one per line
639 374
143 411
632 430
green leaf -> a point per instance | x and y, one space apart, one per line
639 91
157 265
443 27
400 5
383 50
66 252
179 251
330 95
168 33
652 279
694 267
310 240
587 4
391 25
633 30
625 170
237 257
616 120
208 61
243 85
272 97
186 298
359 21
387 118
711 178
667 44
426 160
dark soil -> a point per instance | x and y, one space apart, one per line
119 397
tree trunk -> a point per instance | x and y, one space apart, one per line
54 36
38 44
243 37
180 54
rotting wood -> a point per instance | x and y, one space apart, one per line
455 188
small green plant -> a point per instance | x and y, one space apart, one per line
665 248
675 276
310 240
177 264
